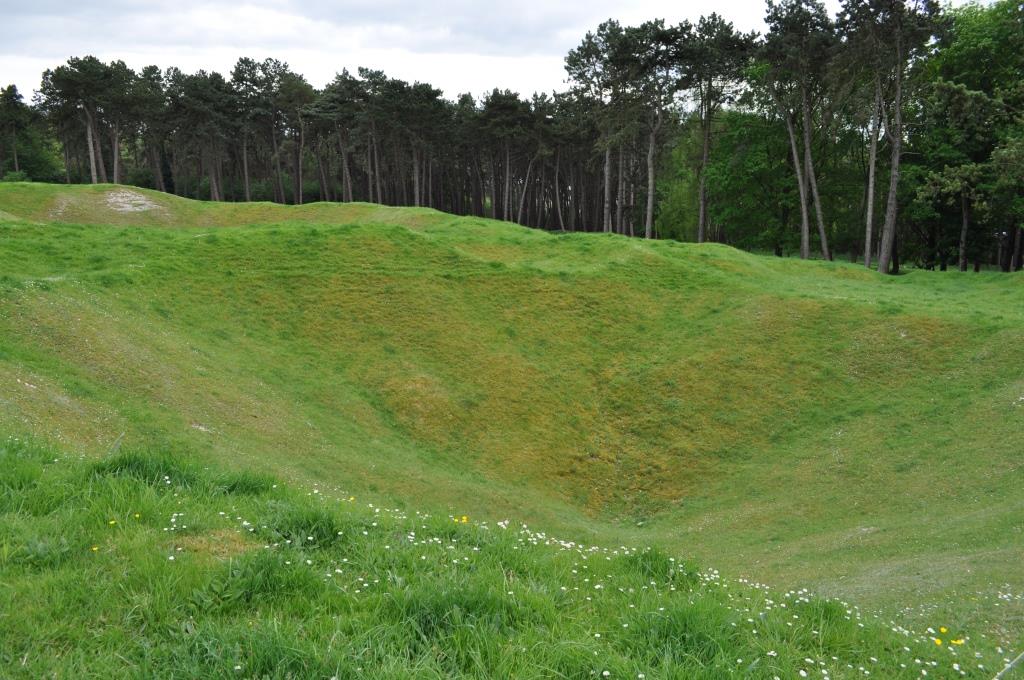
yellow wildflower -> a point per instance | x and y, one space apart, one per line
938 642
942 629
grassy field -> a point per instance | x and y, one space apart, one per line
803 424
148 565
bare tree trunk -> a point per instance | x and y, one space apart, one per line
620 195
526 186
346 177
812 180
1018 250
430 182
558 193
325 189
278 180
115 146
369 175
896 139
211 171
245 166
965 221
607 190
376 165
100 165
702 215
299 152
805 226
869 220
92 147
506 212
14 148
575 196
158 175
415 178
494 189
649 213
67 162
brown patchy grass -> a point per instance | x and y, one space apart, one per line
221 545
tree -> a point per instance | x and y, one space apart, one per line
713 64
14 118
906 27
78 88
799 39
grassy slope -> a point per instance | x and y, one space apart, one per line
148 566
800 423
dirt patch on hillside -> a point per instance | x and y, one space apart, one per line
125 201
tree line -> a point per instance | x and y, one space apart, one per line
892 132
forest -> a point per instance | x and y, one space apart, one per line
891 134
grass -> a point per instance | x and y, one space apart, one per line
804 424
147 564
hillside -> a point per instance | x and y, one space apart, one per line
799 423
146 565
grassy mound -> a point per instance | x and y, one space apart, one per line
798 423
149 565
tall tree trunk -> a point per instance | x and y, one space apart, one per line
812 180
430 182
575 195
325 190
702 213
278 174
526 185
478 190
506 213
620 195
115 146
100 165
558 193
896 139
651 145
158 175
494 189
92 147
869 219
1018 250
67 162
299 152
965 221
346 177
607 190
245 166
369 175
415 178
14 148
805 222
376 165
211 171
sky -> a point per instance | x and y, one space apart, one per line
456 45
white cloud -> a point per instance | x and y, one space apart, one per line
457 45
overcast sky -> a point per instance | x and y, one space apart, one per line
457 45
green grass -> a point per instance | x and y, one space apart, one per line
803 424
147 565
